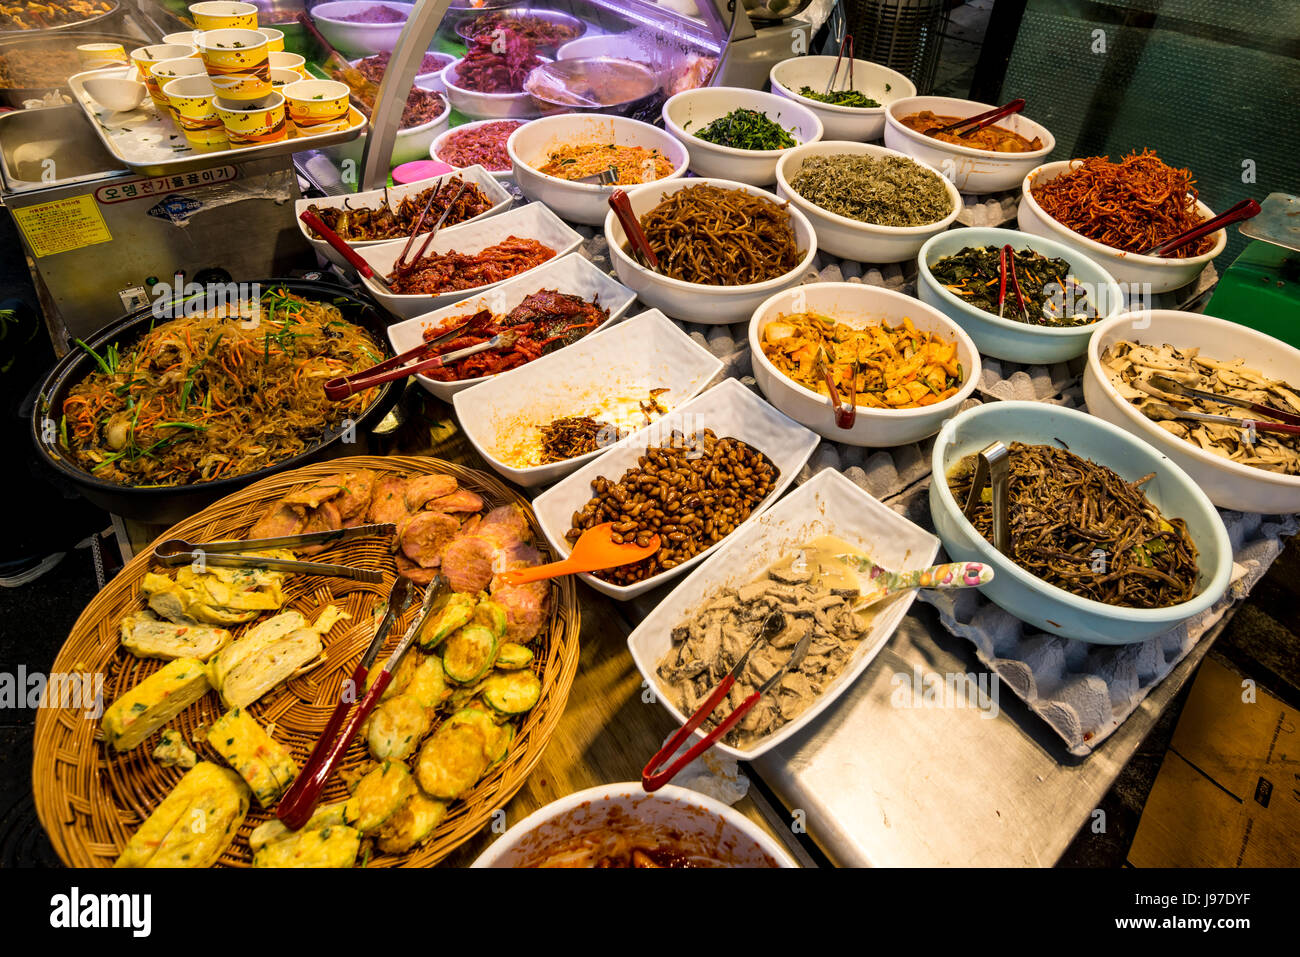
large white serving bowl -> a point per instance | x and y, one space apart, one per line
613 368
971 170
568 274
721 836
357 39
501 175
730 410
431 80
852 238
1033 600
859 305
842 122
1003 338
828 504
1138 272
409 144
688 112
625 46
1228 484
529 221
530 146
691 301
393 196
488 106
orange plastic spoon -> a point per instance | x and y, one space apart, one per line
595 550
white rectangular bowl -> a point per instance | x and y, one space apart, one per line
530 221
574 275
828 504
374 198
729 409
648 351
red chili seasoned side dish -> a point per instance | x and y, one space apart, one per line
484 145
447 272
485 71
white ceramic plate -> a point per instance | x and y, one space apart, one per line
729 409
828 504
531 221
571 274
623 363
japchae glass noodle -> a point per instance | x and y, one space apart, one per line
721 237
216 395
1132 205
1077 525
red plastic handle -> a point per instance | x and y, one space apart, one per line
636 237
1246 209
337 241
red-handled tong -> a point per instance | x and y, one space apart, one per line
652 777
347 252
1238 212
980 120
295 808
1007 263
846 413
340 387
636 238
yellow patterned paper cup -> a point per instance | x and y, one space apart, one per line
224 15
253 123
236 60
184 36
146 58
282 78
317 106
290 61
274 39
98 56
191 99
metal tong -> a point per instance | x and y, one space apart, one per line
847 40
654 775
992 467
177 551
1166 384
295 808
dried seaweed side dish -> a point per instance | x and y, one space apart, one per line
1079 526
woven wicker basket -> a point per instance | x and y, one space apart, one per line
91 799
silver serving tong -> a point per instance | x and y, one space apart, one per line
992 467
1172 386
605 177
226 554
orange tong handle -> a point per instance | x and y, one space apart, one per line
653 777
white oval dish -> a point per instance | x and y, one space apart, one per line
502 175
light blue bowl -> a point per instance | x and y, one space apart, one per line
1006 338
1035 601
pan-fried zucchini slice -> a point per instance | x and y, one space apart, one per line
379 795
413 824
327 815
490 615
469 653
452 760
462 697
512 692
428 684
457 612
497 750
396 728
334 846
512 657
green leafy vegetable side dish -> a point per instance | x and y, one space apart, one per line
747 130
840 98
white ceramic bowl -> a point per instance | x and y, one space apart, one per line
488 106
530 146
1228 484
625 46
568 274
729 409
1004 338
688 112
972 170
695 302
1033 600
852 238
374 198
860 305
720 835
1131 269
115 92
501 175
828 504
529 221
842 122
431 80
357 39
603 375
409 144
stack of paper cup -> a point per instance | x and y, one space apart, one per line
192 102
289 61
317 106
236 60
253 122
224 15
145 58
274 39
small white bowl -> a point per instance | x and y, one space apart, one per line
688 112
574 275
696 302
622 363
530 146
852 238
114 92
828 504
409 144
531 221
1228 484
426 81
488 106
1160 273
972 170
357 39
860 305
624 45
729 409
501 175
842 122
717 833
